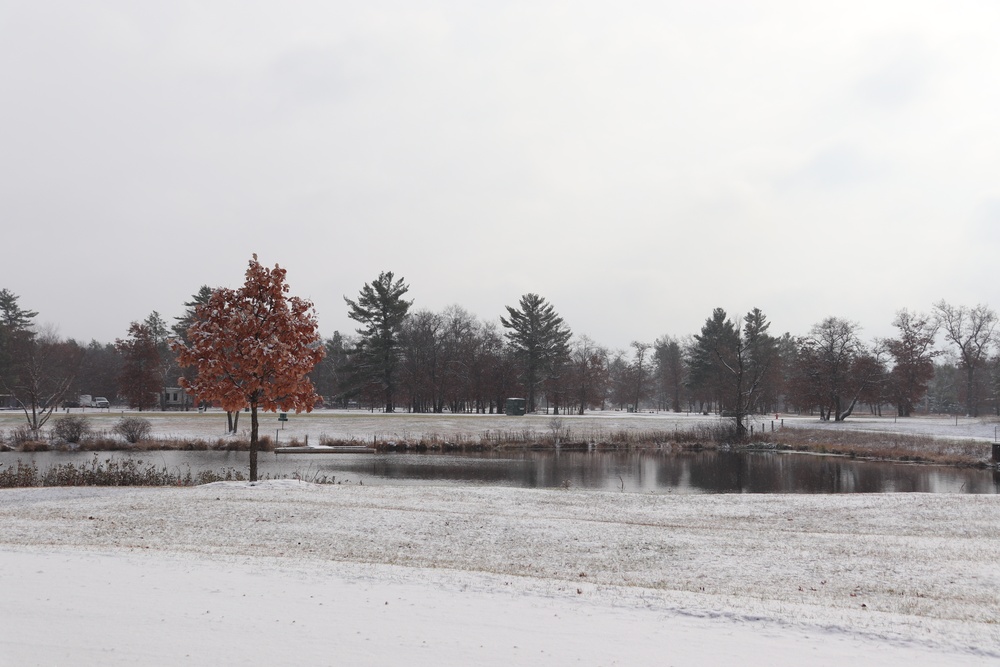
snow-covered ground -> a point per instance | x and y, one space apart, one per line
365 426
284 573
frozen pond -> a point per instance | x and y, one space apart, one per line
645 471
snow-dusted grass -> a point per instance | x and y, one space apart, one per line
568 577
947 440
368 427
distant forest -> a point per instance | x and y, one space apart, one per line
403 358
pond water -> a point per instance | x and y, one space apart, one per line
637 471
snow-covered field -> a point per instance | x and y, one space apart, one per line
287 573
366 427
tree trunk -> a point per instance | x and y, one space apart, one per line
841 416
971 404
253 440
232 421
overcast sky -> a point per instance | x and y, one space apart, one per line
636 163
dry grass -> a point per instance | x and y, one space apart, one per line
880 446
107 442
557 432
110 472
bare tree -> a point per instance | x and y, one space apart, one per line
639 371
671 369
588 374
835 368
970 330
619 378
141 379
486 373
421 361
461 346
913 355
42 371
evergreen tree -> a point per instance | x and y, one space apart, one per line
735 362
716 341
540 338
15 324
12 316
185 321
381 309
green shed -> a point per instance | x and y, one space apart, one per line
515 406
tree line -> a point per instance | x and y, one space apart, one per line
946 360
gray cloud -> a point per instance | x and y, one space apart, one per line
638 164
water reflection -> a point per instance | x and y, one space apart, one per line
700 472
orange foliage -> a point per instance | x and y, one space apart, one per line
254 346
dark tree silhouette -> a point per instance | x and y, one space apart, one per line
141 379
381 309
739 359
970 330
913 353
540 338
836 368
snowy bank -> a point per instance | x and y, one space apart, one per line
291 573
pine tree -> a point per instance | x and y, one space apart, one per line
381 309
540 338
12 316
184 322
735 362
15 325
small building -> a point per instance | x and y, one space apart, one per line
175 398
515 406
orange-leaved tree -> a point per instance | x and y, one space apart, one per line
252 348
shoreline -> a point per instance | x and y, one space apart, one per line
936 440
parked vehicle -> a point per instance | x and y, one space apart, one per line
88 401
